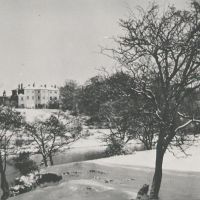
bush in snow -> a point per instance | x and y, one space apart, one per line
24 164
115 146
31 181
24 184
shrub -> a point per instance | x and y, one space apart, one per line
24 164
19 142
48 177
29 182
115 146
24 184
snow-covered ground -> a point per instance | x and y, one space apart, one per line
32 114
93 140
117 177
89 181
177 160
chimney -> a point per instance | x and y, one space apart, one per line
33 84
21 85
45 85
4 93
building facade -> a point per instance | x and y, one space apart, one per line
33 96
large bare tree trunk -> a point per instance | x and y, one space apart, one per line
156 183
4 187
4 182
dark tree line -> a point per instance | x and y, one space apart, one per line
89 98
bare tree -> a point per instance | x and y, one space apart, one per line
10 124
127 121
146 129
53 133
162 51
117 116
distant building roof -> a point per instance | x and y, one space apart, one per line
40 87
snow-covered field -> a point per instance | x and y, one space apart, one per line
32 114
89 181
118 177
177 161
92 138
93 141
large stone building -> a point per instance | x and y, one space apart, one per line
34 96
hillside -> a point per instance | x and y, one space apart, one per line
117 177
120 177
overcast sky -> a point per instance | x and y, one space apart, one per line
50 41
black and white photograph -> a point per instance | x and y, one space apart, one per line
100 99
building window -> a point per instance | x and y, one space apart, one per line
55 98
55 92
33 97
22 98
27 97
50 98
38 98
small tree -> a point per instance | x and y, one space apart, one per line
10 124
93 94
68 96
126 121
162 51
53 133
53 104
24 164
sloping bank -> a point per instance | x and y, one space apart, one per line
120 177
